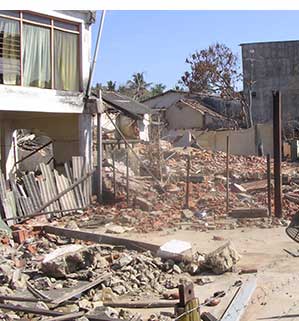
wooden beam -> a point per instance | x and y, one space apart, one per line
101 238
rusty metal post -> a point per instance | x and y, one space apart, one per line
188 180
227 173
114 174
277 153
269 183
127 175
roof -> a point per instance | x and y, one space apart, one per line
268 42
165 93
194 104
125 104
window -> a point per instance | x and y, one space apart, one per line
39 51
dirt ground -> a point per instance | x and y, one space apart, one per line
277 294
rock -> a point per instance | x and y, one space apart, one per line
196 179
222 259
41 305
69 308
6 273
236 188
119 289
143 204
204 280
187 214
124 260
67 259
115 229
177 269
72 225
4 290
85 304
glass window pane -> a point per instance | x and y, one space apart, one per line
12 13
66 25
9 52
36 18
36 56
66 63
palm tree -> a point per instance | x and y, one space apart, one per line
138 85
158 89
111 85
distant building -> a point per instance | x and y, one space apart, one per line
269 66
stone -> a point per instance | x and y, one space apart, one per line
222 259
124 260
6 273
236 188
119 289
204 280
177 269
72 225
115 229
187 214
143 204
85 304
67 259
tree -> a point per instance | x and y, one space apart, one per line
138 85
111 85
213 70
157 89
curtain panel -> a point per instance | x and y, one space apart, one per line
9 52
66 69
36 55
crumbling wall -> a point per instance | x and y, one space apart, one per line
62 128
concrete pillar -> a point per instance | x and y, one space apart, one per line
85 137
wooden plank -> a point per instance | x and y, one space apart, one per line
248 212
76 176
140 304
256 185
81 289
69 316
239 303
54 199
101 238
78 199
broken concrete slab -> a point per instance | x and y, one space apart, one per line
222 259
173 248
248 212
67 259
236 188
143 204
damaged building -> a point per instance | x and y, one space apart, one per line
269 66
44 68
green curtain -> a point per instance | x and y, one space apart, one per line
36 56
9 52
66 68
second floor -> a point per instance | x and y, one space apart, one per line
48 50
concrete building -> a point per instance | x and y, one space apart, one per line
44 69
269 66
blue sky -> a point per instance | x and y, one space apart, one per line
157 42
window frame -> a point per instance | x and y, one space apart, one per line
52 28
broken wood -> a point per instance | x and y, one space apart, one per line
292 197
100 238
81 289
21 299
145 305
69 316
26 217
36 311
37 293
58 196
248 212
256 185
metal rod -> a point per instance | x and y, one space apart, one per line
88 88
25 217
127 175
32 153
277 153
188 180
99 176
114 174
227 172
132 150
269 182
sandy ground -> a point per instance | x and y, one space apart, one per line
277 294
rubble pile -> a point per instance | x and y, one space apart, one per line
49 267
151 210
